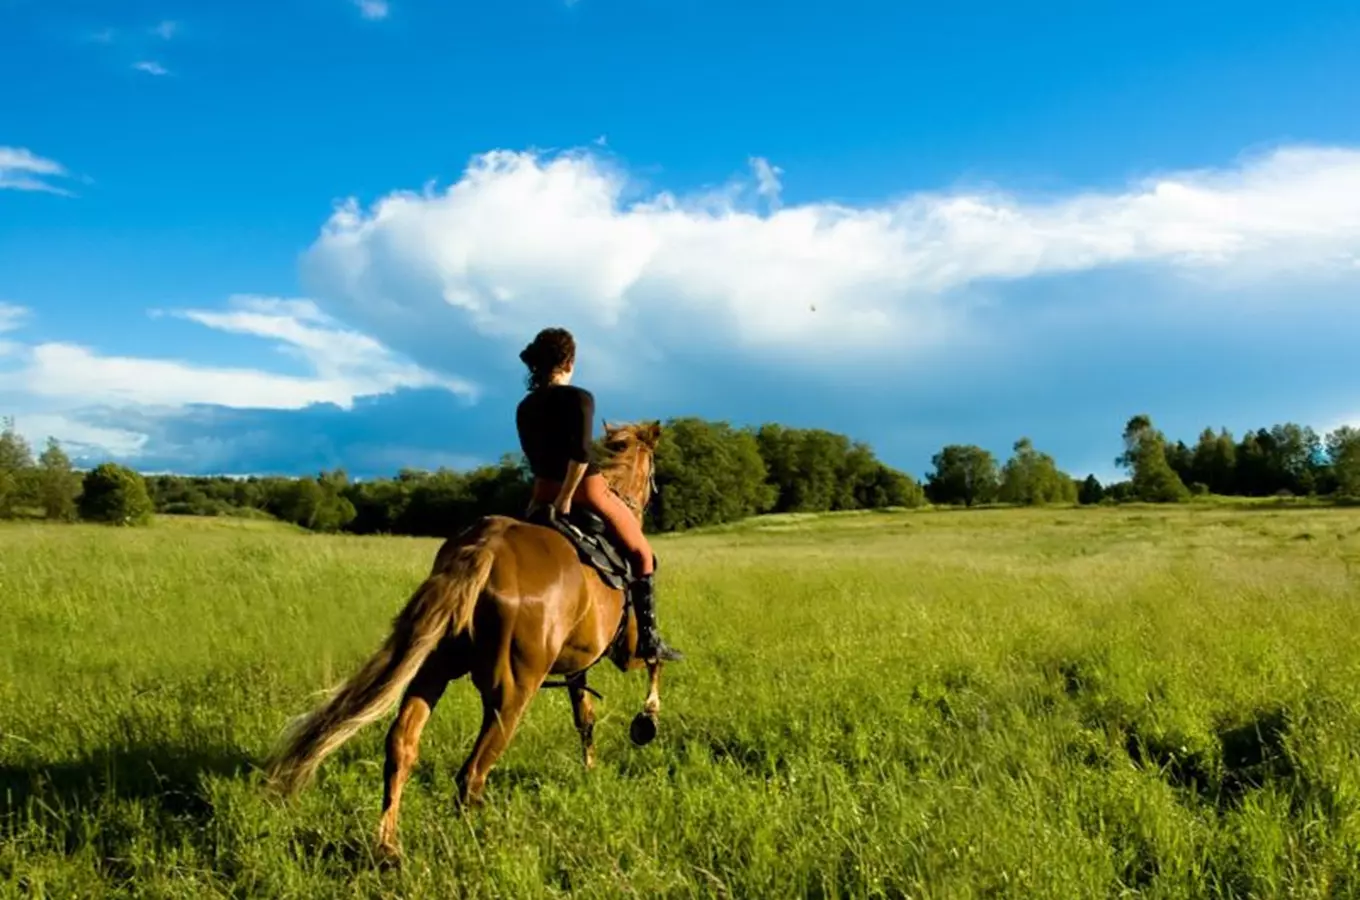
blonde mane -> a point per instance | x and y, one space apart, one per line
628 465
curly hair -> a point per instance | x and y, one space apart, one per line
552 350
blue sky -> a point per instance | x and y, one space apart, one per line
278 237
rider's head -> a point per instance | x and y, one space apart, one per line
552 353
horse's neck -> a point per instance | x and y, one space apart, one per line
622 480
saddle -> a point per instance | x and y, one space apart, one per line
595 543
596 546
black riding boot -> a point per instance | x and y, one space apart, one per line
650 644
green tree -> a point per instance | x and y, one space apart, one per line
886 487
317 503
1182 461
1032 478
1214 462
1295 459
439 504
57 484
1154 481
1119 492
378 505
16 471
708 473
964 473
1254 454
1091 491
1343 449
115 495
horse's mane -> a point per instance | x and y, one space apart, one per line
621 447
620 452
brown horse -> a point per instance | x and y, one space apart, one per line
508 603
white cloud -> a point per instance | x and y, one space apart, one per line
767 180
11 316
372 9
23 170
77 438
151 67
60 380
351 363
521 240
166 30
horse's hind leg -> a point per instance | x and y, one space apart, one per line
583 711
502 707
403 740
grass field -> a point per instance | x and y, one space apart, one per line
1068 703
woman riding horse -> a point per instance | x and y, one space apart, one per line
555 422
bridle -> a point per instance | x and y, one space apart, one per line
652 489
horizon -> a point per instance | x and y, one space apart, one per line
317 238
1116 476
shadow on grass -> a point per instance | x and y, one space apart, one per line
113 801
1251 756
171 775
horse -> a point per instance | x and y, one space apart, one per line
508 602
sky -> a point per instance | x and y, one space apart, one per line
283 237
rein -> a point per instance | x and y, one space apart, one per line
636 506
577 682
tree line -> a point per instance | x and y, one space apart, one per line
707 473
1284 460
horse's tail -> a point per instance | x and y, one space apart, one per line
441 606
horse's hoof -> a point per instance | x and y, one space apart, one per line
643 729
388 858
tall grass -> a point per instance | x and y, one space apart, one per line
1074 703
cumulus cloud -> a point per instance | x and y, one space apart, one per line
166 30
441 285
372 9
151 67
69 384
523 238
23 170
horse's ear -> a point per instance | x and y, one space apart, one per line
609 429
651 433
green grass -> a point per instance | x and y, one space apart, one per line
1066 703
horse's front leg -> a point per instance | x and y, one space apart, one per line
643 729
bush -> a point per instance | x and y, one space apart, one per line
115 495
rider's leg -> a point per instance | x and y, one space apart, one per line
595 491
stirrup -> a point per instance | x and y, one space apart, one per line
657 650
665 653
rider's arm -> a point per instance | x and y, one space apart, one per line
579 443
575 472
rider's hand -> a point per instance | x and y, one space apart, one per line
564 509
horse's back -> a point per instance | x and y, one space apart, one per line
538 594
560 603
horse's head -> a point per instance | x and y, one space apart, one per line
631 469
647 434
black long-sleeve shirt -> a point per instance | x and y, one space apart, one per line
556 425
